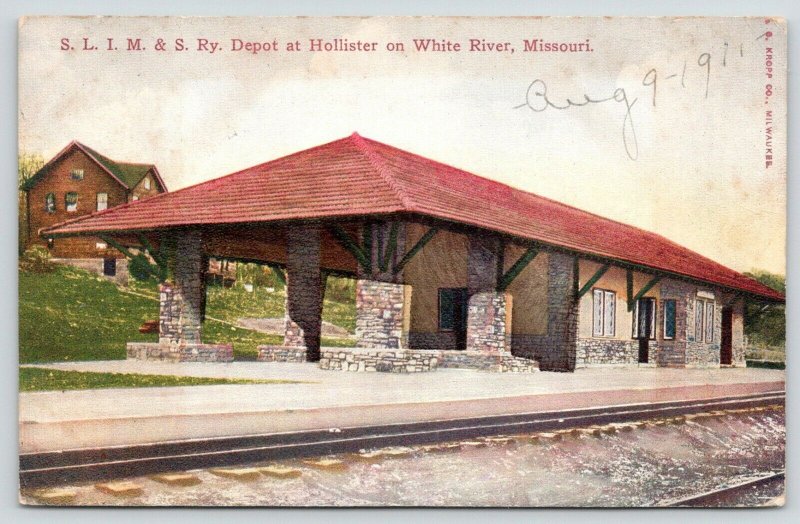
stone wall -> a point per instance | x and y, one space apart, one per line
610 352
485 361
303 321
556 351
185 353
380 315
378 360
282 354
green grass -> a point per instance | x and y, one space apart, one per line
72 315
40 379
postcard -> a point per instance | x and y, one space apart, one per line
402 261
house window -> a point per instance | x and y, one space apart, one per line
135 198
50 203
76 174
102 201
604 306
704 320
644 318
709 334
669 319
147 182
71 201
101 245
452 308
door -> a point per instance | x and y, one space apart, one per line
110 267
726 347
645 314
453 314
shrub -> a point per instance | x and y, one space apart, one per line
36 260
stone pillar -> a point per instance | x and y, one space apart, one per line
303 321
560 350
489 310
381 316
382 301
182 299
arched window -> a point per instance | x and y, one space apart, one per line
50 203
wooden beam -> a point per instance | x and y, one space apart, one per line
576 276
592 281
629 288
647 287
366 235
351 246
390 248
517 268
416 248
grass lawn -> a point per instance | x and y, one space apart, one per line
71 315
39 379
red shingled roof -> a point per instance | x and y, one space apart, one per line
357 176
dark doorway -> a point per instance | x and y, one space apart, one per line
110 267
645 312
453 314
726 349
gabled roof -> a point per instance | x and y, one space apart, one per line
357 176
128 174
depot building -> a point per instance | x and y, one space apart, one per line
452 270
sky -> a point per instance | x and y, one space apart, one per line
691 90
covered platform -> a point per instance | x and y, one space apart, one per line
473 272
54 421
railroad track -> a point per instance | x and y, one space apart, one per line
69 466
709 498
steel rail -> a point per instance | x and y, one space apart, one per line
80 465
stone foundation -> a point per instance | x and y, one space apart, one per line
282 354
483 361
95 265
378 360
186 353
592 351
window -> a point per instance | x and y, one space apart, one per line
147 182
102 201
76 174
71 201
50 203
709 335
101 245
135 198
669 319
605 304
704 320
644 318
452 308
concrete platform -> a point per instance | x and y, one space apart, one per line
52 421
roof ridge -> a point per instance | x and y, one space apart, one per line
381 168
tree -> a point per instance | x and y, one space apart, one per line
28 165
765 325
